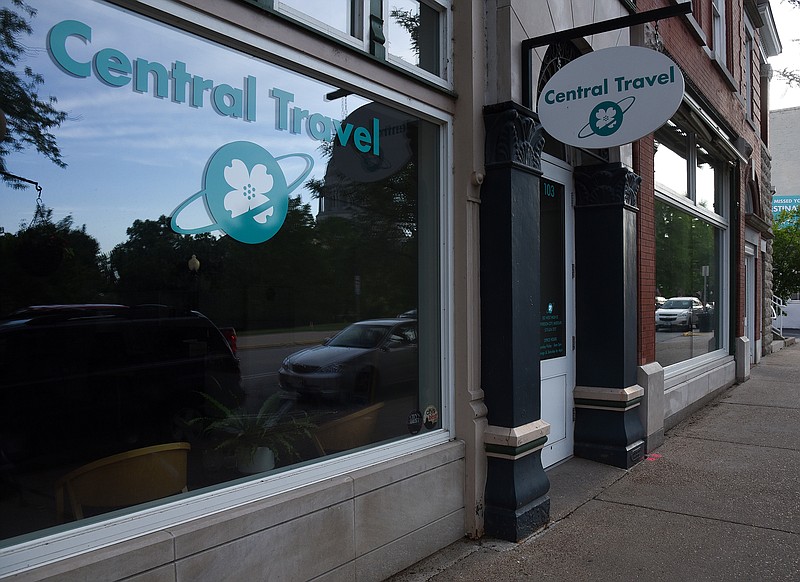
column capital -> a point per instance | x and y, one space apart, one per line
514 136
606 185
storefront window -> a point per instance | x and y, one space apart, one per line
671 161
236 272
690 242
688 281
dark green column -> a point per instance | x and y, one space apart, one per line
607 396
516 490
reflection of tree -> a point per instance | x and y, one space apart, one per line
376 241
50 262
684 244
410 21
786 254
29 118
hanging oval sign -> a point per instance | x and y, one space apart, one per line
611 97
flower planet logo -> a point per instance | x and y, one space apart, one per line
245 193
606 118
610 97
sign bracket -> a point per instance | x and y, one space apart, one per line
587 30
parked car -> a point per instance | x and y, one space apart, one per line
362 360
78 382
680 312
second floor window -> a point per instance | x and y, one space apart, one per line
718 32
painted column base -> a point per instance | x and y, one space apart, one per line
518 524
517 504
607 425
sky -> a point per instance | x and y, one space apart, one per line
134 156
787 19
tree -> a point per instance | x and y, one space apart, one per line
51 262
29 118
786 254
789 75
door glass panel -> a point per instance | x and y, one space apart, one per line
553 297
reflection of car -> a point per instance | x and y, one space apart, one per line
81 381
358 361
682 312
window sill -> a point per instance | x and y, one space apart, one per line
683 372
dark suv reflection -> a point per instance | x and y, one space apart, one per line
78 382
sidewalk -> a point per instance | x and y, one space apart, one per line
719 500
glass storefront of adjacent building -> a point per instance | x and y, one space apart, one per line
691 228
230 261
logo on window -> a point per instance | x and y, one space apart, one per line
245 194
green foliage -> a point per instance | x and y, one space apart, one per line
29 117
273 426
410 21
786 254
684 244
51 262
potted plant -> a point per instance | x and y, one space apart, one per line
257 439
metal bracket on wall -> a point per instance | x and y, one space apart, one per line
587 30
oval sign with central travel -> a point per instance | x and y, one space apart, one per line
611 97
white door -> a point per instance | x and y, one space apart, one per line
750 298
557 323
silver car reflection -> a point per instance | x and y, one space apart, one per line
362 360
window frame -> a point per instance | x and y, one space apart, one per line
362 42
719 31
445 25
359 41
688 204
46 546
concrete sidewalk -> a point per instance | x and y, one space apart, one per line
719 500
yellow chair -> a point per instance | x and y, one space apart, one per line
125 479
348 432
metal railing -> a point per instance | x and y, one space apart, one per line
778 311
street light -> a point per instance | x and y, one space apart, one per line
194 265
194 269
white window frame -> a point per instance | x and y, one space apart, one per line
67 541
445 46
361 43
720 221
443 7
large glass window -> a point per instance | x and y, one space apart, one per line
237 271
690 242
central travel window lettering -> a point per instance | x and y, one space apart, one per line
115 69
321 127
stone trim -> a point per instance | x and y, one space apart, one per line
614 399
514 443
